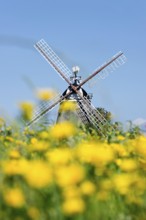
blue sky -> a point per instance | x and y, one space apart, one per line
84 33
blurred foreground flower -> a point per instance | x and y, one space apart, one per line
34 213
140 146
87 188
73 206
62 130
45 94
61 156
39 174
14 197
37 145
26 110
14 154
42 178
95 153
128 165
68 106
69 175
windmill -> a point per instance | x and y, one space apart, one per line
85 111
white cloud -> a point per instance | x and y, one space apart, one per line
139 121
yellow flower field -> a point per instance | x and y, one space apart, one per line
64 173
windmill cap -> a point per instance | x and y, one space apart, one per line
75 69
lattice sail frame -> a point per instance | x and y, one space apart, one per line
94 116
46 51
110 68
42 109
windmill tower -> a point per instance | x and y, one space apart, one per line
74 101
85 111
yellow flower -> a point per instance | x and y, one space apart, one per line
87 188
128 165
33 213
15 167
26 110
118 161
36 173
62 130
37 145
14 154
120 150
125 182
68 106
120 137
33 140
14 197
73 206
59 156
122 183
140 145
69 175
44 135
39 175
45 94
71 191
95 153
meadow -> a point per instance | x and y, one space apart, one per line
62 172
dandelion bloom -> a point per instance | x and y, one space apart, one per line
14 154
125 182
72 191
39 175
59 156
87 188
73 206
140 146
95 153
26 110
62 130
38 145
33 213
68 106
14 197
69 175
128 165
15 167
45 94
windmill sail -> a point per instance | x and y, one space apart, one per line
44 108
52 58
111 65
94 116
